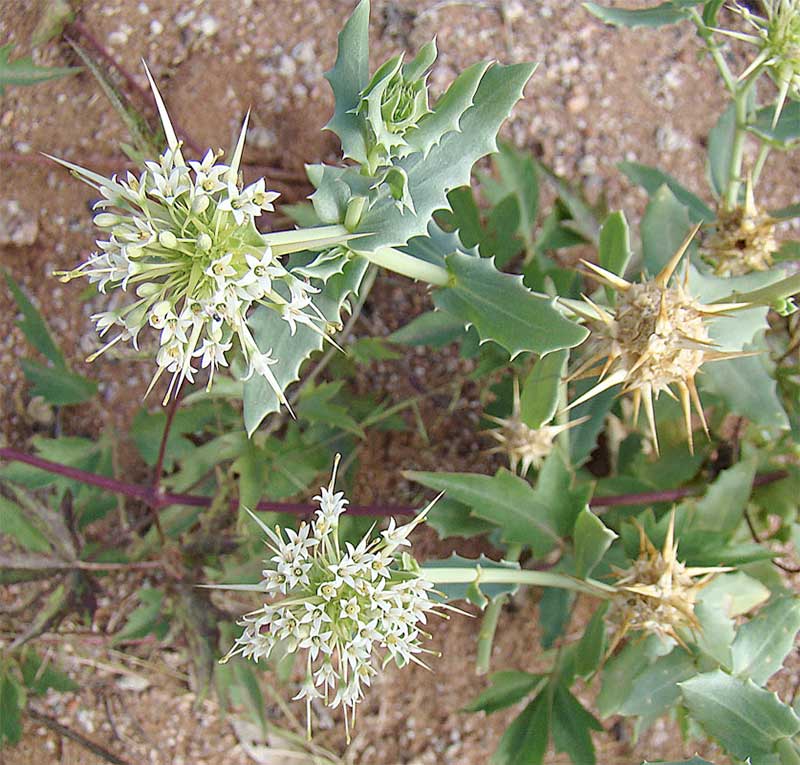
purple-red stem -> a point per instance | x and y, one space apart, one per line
159 499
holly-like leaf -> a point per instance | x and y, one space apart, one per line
22 71
474 592
785 132
348 78
504 499
56 385
448 164
747 720
669 12
507 688
720 147
762 644
434 328
655 689
273 333
503 310
453 519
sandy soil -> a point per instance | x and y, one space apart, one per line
600 96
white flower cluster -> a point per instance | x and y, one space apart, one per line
344 605
182 240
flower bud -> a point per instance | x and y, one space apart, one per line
168 239
204 242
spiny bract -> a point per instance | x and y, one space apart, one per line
656 337
524 446
657 594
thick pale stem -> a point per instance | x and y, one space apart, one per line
407 265
768 295
489 623
285 242
445 575
737 150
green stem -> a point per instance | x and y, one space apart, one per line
407 265
316 237
478 575
716 54
737 150
769 295
763 153
489 623
787 751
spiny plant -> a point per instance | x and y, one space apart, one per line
676 548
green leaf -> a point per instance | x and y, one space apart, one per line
721 509
554 490
12 701
434 328
58 386
664 227
33 325
694 761
747 388
23 71
592 539
519 176
273 333
450 518
786 132
720 148
571 725
666 13
448 164
747 720
349 76
502 309
615 247
507 688
525 740
316 404
39 678
762 644
542 389
583 220
15 523
592 645
554 613
448 111
655 689
504 499
146 619
652 179
475 592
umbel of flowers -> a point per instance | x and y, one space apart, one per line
180 243
655 338
350 608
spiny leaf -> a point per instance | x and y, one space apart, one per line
747 720
502 309
273 333
349 76
449 163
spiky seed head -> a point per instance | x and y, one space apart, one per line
655 339
524 446
658 593
743 241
